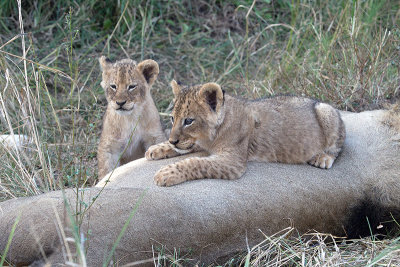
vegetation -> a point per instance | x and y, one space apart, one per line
344 52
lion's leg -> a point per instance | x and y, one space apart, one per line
154 139
106 162
162 151
334 132
214 166
323 161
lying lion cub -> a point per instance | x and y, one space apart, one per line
131 123
233 131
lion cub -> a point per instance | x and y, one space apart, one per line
131 122
233 131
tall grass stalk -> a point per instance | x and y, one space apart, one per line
10 237
121 234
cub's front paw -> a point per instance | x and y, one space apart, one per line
168 175
156 152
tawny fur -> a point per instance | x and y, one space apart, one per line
208 219
392 119
281 129
131 123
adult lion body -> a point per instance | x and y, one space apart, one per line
214 218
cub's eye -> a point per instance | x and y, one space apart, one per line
172 120
113 86
131 87
188 122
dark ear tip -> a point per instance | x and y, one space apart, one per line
104 60
150 70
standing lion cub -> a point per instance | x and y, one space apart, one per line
131 123
281 129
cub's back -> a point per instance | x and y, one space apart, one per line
286 129
286 111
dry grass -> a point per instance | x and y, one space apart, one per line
343 52
316 249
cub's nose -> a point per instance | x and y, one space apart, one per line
120 103
174 142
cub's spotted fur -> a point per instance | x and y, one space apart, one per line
131 122
282 129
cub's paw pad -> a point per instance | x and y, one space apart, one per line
155 152
167 176
323 161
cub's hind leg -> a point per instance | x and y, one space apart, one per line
322 160
334 134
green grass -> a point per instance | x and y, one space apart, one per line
342 52
10 237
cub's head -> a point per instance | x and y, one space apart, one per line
197 114
126 84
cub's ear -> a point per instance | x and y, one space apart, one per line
213 95
105 63
175 87
149 69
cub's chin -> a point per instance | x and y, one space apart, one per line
123 112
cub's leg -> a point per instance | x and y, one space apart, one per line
106 162
162 151
334 134
322 160
149 141
215 166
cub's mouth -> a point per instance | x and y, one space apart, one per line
184 149
124 109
